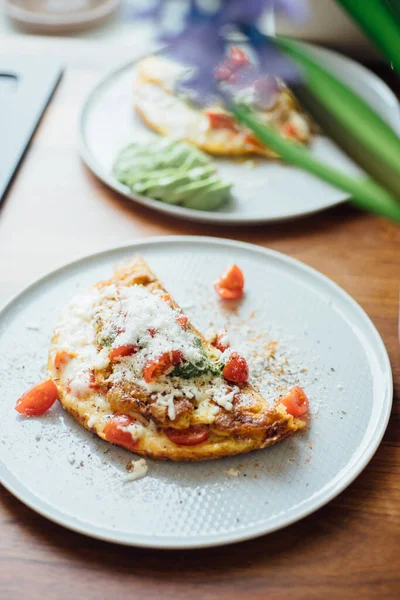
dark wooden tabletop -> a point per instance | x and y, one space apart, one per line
348 549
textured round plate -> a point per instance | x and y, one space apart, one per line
263 190
326 343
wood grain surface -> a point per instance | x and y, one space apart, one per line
56 211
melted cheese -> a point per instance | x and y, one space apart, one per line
124 316
137 469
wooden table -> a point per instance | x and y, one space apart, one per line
56 211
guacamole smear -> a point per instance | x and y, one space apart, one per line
171 171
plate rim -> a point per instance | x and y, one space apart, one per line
171 542
180 212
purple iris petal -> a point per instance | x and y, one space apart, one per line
201 44
202 47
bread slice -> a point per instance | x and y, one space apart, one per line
102 359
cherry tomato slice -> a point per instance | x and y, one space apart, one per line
251 139
92 381
236 369
61 358
239 56
114 432
187 437
217 342
120 351
167 298
220 120
227 294
230 284
162 364
183 321
38 399
295 402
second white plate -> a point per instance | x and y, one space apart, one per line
262 192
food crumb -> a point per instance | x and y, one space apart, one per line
71 459
38 437
136 469
232 472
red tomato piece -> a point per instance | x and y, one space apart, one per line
61 358
152 331
156 368
38 399
230 284
239 56
187 437
92 381
120 351
183 321
236 369
295 402
217 342
251 139
114 432
167 298
289 130
227 294
221 120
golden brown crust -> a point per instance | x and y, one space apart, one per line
250 425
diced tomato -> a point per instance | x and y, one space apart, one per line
114 432
229 68
251 139
239 56
217 341
295 402
167 298
183 321
236 369
38 399
290 131
120 351
156 368
221 120
187 437
92 380
152 331
230 284
61 358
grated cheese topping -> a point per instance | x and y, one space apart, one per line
144 319
115 316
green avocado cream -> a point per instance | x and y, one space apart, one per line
173 172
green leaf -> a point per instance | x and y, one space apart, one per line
360 153
365 192
380 21
348 108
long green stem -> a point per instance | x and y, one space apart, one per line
365 192
346 106
379 23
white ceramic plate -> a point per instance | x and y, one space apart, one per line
65 473
270 191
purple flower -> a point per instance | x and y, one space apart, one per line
202 43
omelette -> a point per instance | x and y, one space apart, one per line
128 365
211 128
